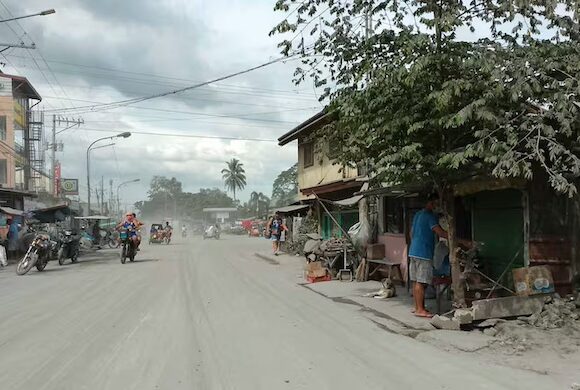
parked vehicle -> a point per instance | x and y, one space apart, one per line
68 247
128 249
211 232
38 254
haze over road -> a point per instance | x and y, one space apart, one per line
209 315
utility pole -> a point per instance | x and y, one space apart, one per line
54 146
111 201
53 157
102 195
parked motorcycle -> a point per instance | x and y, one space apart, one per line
38 254
68 248
128 249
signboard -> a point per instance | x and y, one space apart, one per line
19 114
57 178
69 186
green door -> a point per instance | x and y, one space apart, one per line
498 222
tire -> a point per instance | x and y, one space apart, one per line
75 258
41 264
61 258
124 254
132 253
27 262
112 243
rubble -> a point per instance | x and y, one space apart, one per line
463 316
556 313
442 322
492 332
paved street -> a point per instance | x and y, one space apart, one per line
209 315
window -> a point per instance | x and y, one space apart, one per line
308 150
3 172
3 127
393 215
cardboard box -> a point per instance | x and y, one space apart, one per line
315 270
533 280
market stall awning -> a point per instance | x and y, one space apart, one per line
353 200
289 209
96 217
51 214
11 211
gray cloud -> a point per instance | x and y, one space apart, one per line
193 40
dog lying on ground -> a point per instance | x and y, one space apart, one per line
387 291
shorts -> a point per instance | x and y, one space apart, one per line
275 237
421 270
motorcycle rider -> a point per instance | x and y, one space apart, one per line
131 222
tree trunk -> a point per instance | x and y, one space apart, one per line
457 282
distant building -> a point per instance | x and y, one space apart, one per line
220 215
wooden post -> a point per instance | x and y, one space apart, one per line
457 283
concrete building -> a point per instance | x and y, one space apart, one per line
219 215
320 175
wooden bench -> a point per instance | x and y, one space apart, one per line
392 265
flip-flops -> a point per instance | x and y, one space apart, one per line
424 315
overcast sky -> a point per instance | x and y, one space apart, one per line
105 50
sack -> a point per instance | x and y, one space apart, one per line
3 260
267 234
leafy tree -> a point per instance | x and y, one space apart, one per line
427 94
166 198
161 185
234 176
285 187
259 204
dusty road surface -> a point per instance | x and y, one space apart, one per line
209 315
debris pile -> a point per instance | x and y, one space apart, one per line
556 313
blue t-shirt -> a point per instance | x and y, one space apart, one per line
423 240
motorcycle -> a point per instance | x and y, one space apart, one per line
110 240
211 232
38 254
69 247
128 249
184 234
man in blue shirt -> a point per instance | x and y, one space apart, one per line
424 231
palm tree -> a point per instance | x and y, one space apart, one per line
234 176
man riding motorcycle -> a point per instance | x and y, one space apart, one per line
131 222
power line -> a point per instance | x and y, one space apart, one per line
156 134
116 70
242 116
127 102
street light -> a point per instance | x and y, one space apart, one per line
121 185
125 134
43 13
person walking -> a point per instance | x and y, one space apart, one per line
275 228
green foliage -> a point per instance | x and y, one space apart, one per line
285 187
258 205
421 99
234 176
167 199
